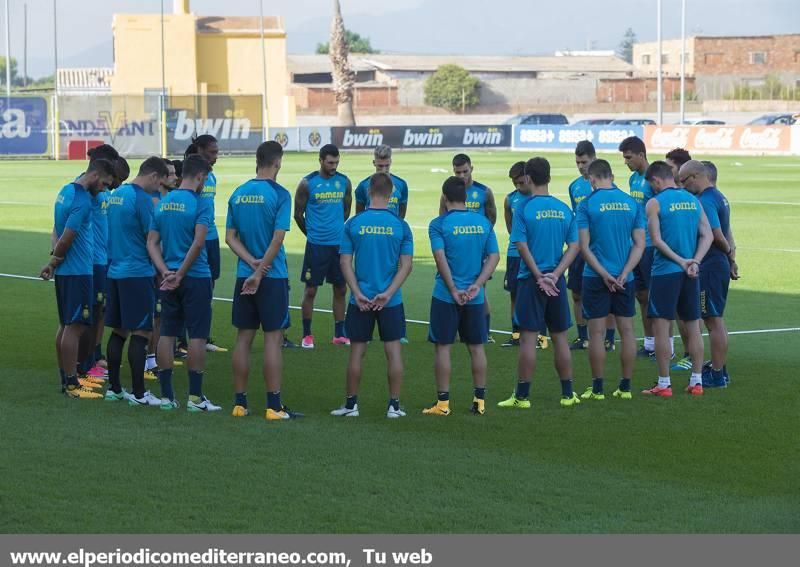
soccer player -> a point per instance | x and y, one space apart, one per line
465 250
381 246
206 146
321 205
90 341
151 365
716 268
131 293
71 263
259 215
635 155
681 235
611 233
398 202
180 224
480 199
542 226
521 191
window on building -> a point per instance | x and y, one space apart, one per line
758 57
664 58
646 59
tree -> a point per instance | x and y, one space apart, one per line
355 43
343 76
452 87
625 49
3 70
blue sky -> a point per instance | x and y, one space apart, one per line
511 27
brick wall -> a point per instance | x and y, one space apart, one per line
735 55
322 97
640 90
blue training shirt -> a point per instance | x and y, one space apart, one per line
399 193
377 238
130 212
679 219
579 189
466 240
73 210
100 228
718 211
209 193
641 191
175 219
514 199
545 224
610 215
256 210
325 208
476 197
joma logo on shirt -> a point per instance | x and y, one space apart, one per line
115 201
177 207
579 199
468 230
682 207
614 207
60 199
387 230
550 214
250 200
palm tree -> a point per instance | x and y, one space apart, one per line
343 76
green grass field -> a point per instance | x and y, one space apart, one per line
726 462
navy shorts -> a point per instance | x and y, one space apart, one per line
674 294
212 250
99 272
189 306
469 321
267 308
599 302
641 273
512 275
575 282
714 285
535 311
321 264
359 325
129 305
74 299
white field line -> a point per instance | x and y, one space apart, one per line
420 322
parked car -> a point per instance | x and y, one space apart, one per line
536 118
593 122
632 122
703 122
770 119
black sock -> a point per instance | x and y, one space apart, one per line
114 352
137 354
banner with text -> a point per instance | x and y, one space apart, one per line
565 137
751 140
23 126
410 137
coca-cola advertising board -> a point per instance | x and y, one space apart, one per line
755 140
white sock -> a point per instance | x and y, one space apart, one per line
150 362
650 343
672 346
696 379
664 382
